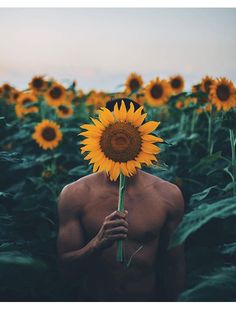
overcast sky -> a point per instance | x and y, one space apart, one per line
100 47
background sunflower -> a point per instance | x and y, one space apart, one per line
47 134
223 94
56 94
133 83
157 92
176 83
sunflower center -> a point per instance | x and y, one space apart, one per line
176 83
26 101
207 85
223 92
49 134
156 91
64 109
134 84
55 92
38 83
121 142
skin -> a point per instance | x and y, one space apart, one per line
89 229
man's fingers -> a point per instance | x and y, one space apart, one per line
117 222
118 236
117 215
117 230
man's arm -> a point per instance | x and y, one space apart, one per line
74 254
174 260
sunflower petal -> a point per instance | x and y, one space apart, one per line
108 114
152 138
150 148
130 113
123 112
139 120
115 171
116 112
148 127
97 123
124 170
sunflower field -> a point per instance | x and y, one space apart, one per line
40 154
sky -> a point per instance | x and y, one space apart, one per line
100 47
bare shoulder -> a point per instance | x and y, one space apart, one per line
169 192
74 195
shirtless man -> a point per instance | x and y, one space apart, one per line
89 229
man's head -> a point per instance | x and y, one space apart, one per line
111 104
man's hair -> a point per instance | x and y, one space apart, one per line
111 104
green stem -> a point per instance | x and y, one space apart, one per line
210 144
232 143
182 121
120 256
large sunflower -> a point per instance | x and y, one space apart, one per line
176 84
206 84
157 92
24 103
223 94
38 85
118 142
47 134
133 83
56 94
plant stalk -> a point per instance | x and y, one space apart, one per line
232 143
120 255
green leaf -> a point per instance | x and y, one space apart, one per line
219 286
201 195
200 215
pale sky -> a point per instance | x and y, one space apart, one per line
100 47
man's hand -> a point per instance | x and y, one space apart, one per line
114 227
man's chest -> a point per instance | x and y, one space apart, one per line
146 215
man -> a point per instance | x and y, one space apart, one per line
90 226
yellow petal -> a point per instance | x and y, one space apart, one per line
137 113
148 127
152 139
150 148
123 111
102 117
145 157
115 171
139 120
97 123
108 114
87 141
91 134
116 112
89 148
130 113
90 127
131 167
124 170
92 154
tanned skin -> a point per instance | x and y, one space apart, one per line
90 226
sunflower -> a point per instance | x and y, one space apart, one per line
38 85
118 142
64 110
179 104
133 83
223 94
196 88
206 84
56 94
176 84
157 92
47 134
97 99
24 103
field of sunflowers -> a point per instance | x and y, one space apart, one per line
40 153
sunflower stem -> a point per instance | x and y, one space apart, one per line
210 144
232 143
120 256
